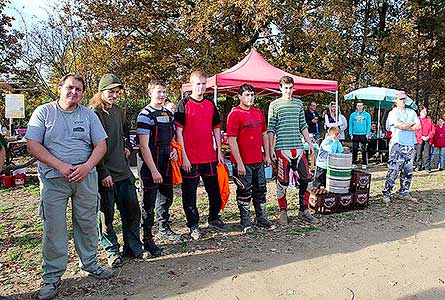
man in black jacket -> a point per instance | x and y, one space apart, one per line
311 116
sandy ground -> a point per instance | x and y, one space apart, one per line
377 253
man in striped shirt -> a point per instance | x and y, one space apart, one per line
286 124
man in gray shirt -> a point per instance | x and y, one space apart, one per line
68 140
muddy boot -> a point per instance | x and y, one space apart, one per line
283 217
150 246
244 211
261 219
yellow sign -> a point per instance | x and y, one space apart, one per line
14 106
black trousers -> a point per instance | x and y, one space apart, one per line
357 140
190 181
123 195
423 152
251 186
152 200
162 203
320 178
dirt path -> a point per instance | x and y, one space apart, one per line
379 253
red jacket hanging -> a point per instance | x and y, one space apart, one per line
439 137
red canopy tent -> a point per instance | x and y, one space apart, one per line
255 70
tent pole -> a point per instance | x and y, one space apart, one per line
215 94
378 128
336 107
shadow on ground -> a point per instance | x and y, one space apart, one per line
192 265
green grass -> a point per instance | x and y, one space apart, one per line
14 254
34 189
27 241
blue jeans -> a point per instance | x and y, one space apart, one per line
440 161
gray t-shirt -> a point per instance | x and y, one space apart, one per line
68 135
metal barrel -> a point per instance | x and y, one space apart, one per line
338 175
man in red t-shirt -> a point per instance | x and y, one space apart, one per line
197 128
247 132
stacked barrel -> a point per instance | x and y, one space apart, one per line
346 188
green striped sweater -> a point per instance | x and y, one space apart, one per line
286 120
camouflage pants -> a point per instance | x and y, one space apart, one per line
400 160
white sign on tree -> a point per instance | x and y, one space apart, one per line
14 106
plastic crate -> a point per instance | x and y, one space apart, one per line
345 201
360 181
326 203
361 199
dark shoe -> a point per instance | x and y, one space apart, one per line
99 273
115 261
49 290
264 223
195 233
151 247
306 216
218 224
261 219
167 234
428 170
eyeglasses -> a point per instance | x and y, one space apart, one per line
402 98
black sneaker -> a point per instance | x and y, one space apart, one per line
264 223
168 235
151 247
306 216
218 224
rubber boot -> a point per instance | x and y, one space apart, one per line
261 219
244 209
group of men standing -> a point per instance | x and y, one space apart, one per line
83 156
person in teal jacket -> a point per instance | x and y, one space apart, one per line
359 129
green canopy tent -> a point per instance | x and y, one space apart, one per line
377 97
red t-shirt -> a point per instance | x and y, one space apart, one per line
247 126
198 119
